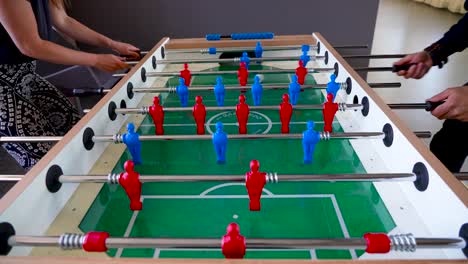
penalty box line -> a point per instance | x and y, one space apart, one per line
268 195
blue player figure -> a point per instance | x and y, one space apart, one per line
258 50
132 140
245 58
257 89
310 138
333 87
220 140
294 90
305 48
219 91
305 58
182 92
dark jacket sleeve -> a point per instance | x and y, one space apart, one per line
454 40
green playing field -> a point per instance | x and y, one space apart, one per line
204 209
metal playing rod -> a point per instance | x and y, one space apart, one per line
230 60
195 73
399 242
323 136
375 56
145 109
30 139
461 176
172 89
270 177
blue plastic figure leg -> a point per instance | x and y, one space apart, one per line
307 153
135 151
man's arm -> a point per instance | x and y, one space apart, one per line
454 40
81 33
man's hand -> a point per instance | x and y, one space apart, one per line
422 61
455 106
126 49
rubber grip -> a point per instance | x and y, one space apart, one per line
430 106
130 58
404 67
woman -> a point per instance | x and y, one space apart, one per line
29 105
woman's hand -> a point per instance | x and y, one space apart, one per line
109 62
422 61
126 49
455 106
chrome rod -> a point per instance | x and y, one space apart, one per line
31 139
144 110
323 136
76 241
271 177
236 60
375 56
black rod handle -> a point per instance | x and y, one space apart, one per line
430 106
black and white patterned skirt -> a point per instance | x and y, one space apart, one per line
31 106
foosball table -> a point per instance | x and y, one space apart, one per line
240 153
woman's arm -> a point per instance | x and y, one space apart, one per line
79 32
17 17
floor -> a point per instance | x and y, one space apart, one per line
405 26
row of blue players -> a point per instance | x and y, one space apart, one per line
182 90
310 138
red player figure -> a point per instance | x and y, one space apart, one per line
301 73
185 73
255 181
233 243
157 114
242 113
242 74
329 111
130 181
199 114
285 111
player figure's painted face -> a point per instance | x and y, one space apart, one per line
129 165
198 99
219 80
310 125
286 98
330 97
181 81
185 66
254 165
233 229
301 63
242 64
219 126
259 44
332 77
131 128
156 100
244 54
294 78
241 98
